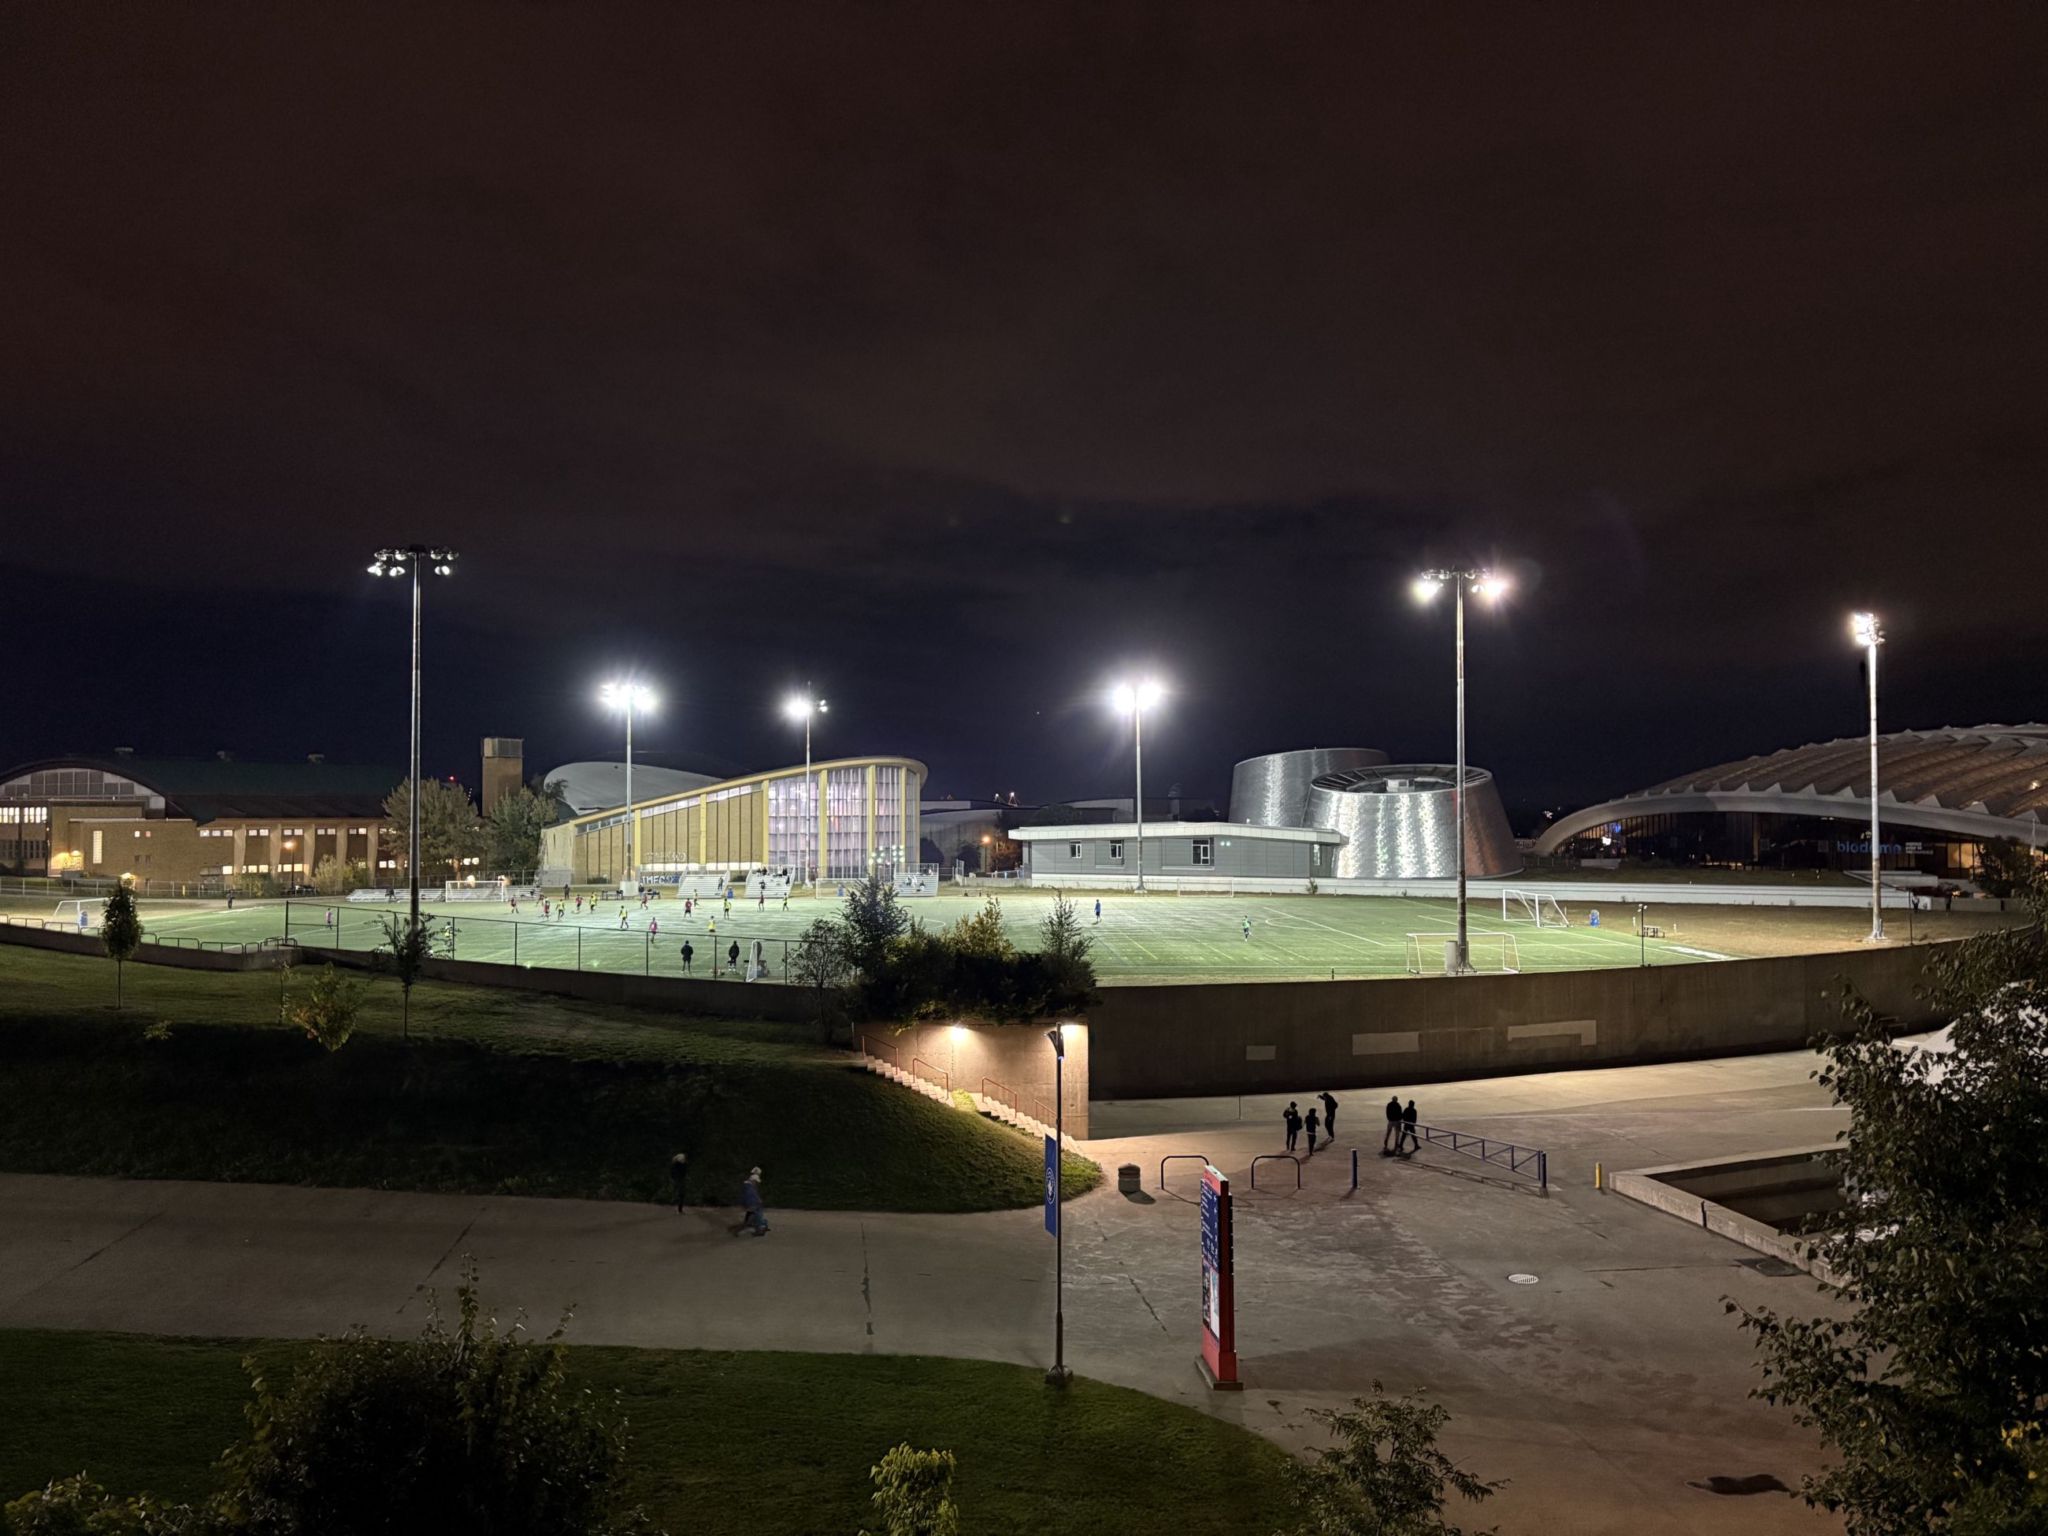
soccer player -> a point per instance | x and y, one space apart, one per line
622 917
579 906
1247 927
546 909
1098 909
654 927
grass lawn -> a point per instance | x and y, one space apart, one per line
1155 937
763 1443
497 1093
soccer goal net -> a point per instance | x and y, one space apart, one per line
1528 907
75 914
1432 954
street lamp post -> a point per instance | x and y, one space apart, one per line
631 697
1492 588
1869 634
408 560
801 706
1134 699
1059 1375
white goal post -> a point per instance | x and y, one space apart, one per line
69 912
1528 907
1429 954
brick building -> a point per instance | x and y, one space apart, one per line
193 821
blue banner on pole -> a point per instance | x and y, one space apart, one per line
1052 1187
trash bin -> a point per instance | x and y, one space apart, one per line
1127 1179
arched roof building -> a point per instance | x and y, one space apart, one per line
1989 781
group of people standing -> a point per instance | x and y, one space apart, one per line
1399 1141
753 1213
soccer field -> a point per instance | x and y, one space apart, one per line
1137 938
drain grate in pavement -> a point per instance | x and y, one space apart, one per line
1758 1482
1776 1268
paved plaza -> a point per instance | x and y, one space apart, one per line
1604 1391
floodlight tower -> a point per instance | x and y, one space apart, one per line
1869 634
1134 699
634 698
802 706
1490 588
409 560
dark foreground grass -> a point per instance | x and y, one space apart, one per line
497 1093
761 1443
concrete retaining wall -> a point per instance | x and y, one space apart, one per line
677 994
1016 1056
1163 1041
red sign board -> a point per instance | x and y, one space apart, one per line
1219 1320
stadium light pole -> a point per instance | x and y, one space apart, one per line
632 697
399 561
1134 699
1869 634
1486 585
801 706
1059 1375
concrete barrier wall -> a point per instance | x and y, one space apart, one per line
1162 1041
1016 1056
676 994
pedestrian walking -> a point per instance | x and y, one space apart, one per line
1292 1120
1310 1123
1098 909
1408 1136
1391 1142
689 954
678 1176
1329 1114
1948 899
231 901
755 1215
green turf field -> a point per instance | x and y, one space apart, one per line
1137 938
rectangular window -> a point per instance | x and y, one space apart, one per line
97 852
1074 851
1116 851
1205 852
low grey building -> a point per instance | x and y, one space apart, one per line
1205 850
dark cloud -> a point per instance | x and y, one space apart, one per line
959 355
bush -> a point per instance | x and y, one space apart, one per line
912 1489
77 1506
327 1013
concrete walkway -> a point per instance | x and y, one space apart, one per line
1604 1391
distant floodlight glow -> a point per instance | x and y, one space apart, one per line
627 695
1866 629
1142 695
1491 587
1425 588
800 707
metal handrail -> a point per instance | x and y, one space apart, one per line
1042 1112
1276 1157
1495 1154
895 1057
941 1072
1172 1157
1006 1096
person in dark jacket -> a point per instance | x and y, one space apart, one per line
1311 1123
678 1175
1408 1136
756 1214
732 957
1391 1142
1291 1118
1329 1114
689 954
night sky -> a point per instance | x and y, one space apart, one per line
960 359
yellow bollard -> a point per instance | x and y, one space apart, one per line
1596 1176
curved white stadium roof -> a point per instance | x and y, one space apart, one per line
1987 781
601 786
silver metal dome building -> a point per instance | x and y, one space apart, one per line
1273 790
1400 822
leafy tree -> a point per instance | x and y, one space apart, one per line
913 1493
78 1506
512 831
2006 867
556 793
819 961
1929 1391
1065 944
1385 1476
449 830
982 935
875 919
327 1013
337 877
404 953
120 931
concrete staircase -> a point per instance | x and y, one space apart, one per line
994 1108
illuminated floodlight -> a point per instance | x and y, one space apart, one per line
1129 697
1425 588
801 706
1490 586
1866 629
630 696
